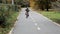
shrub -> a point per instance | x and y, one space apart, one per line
5 12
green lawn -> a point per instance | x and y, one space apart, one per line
9 23
53 15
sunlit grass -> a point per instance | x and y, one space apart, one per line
53 15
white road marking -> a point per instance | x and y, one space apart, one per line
38 28
36 24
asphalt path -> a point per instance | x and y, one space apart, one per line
34 24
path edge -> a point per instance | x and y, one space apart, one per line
14 24
49 19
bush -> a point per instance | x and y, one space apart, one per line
2 20
5 12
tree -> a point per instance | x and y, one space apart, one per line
12 2
47 4
18 1
41 4
0 1
44 4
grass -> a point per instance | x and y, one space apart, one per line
53 15
9 23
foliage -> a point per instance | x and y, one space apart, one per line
5 12
23 3
44 4
8 15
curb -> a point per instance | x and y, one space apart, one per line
12 28
11 31
49 19
14 25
